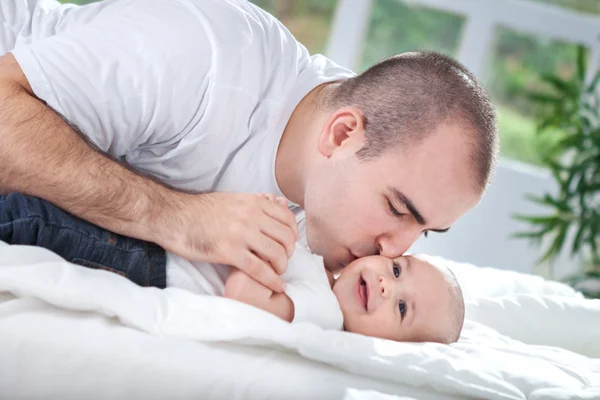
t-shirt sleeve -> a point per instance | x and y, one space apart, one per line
128 74
308 288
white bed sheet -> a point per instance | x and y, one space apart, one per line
68 332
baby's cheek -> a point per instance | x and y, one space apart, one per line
352 322
385 327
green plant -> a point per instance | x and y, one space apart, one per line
572 108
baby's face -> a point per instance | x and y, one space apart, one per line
405 299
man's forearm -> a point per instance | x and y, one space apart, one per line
41 155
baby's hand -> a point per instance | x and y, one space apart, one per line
241 287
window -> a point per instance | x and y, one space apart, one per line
587 6
308 20
396 27
80 2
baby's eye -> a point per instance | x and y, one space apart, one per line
397 270
402 306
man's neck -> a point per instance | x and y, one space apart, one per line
298 145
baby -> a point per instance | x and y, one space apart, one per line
406 299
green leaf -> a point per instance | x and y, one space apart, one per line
578 238
544 98
570 141
593 236
556 169
566 184
556 245
595 187
581 61
593 84
527 235
536 220
549 201
593 274
565 88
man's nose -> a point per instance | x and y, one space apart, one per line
397 243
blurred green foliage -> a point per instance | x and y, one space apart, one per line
80 2
571 107
396 27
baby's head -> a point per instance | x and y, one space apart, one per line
405 299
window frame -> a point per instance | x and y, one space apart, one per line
481 19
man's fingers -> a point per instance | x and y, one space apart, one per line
283 215
270 251
280 233
261 272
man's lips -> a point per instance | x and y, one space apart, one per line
351 256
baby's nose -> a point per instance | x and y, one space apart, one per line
383 287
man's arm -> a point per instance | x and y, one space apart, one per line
241 287
41 155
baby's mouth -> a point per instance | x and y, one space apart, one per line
363 292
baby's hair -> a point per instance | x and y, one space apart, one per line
456 306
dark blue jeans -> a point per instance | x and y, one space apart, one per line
32 221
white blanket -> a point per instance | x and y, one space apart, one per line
70 332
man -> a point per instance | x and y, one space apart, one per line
180 110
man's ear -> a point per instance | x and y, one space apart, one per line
345 127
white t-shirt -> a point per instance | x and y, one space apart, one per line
194 92
307 284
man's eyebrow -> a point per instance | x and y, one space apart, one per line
410 206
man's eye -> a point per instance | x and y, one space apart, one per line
402 307
397 270
393 210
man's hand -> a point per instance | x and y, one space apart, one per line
250 232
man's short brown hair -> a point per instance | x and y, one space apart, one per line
405 97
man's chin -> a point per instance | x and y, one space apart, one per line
334 266
334 261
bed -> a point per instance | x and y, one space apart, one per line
68 332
